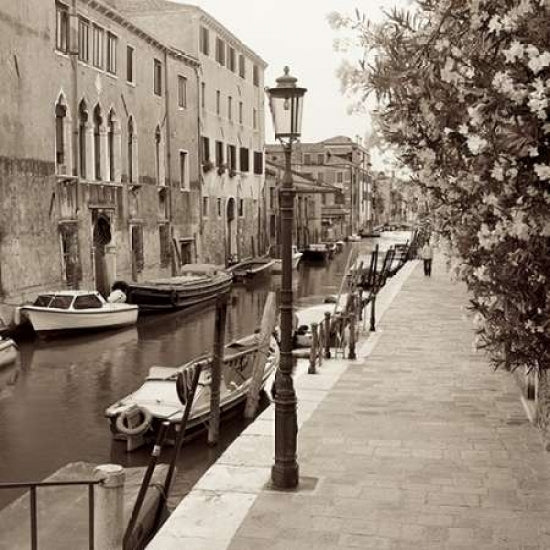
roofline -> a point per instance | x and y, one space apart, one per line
125 22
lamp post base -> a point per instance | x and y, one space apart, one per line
285 476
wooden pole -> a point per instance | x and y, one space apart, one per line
268 324
313 352
351 353
327 334
216 373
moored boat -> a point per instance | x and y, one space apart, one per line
196 284
317 252
8 351
158 399
254 268
75 310
296 257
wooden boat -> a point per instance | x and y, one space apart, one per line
354 238
254 268
296 257
8 351
317 252
157 400
75 310
196 284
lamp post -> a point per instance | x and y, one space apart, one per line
285 102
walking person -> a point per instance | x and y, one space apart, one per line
427 256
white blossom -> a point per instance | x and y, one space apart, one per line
476 144
542 171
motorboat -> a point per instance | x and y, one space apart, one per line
252 269
8 351
196 284
75 310
354 238
317 252
136 417
296 257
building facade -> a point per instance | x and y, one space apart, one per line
99 150
231 122
344 164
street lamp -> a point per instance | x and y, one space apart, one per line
285 102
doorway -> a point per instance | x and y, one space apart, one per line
232 254
101 238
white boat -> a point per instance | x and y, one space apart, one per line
8 351
296 257
76 310
136 417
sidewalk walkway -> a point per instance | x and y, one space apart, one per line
416 445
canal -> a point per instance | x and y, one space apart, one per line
52 401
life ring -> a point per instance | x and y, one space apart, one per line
122 418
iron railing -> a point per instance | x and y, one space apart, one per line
33 502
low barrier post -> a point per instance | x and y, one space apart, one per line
327 334
351 353
373 313
109 510
313 352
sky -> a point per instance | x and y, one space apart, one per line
296 33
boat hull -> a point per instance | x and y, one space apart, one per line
253 270
47 320
278 265
8 352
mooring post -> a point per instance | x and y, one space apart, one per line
373 312
216 372
327 334
314 351
109 507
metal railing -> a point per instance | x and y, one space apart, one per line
33 504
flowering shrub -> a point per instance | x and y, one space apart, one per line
464 95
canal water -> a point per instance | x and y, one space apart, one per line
52 401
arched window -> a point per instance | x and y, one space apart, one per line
158 138
82 127
98 121
111 145
60 145
131 137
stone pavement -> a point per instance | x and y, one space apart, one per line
418 444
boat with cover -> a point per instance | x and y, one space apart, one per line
196 284
254 268
136 417
75 310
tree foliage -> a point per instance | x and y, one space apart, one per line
463 88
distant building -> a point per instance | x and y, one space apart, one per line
231 81
341 162
99 171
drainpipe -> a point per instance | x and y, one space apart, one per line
199 145
168 155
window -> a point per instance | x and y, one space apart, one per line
231 63
241 208
89 301
82 127
158 139
157 77
130 77
205 207
320 158
219 153
218 101
240 112
61 302
60 114
229 107
205 149
62 28
182 92
137 250
98 39
219 207
98 121
258 162
321 177
131 147
232 157
220 51
244 160
111 136
84 40
254 119
339 177
184 170
255 75
204 41
307 158
111 53
242 66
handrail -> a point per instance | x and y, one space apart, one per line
33 503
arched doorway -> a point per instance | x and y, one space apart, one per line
101 238
231 232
